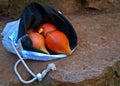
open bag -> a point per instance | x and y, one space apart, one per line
16 40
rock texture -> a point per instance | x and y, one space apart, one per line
95 62
101 4
14 8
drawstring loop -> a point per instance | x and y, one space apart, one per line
39 76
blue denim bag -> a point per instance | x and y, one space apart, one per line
15 32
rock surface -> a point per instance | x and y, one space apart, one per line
101 4
14 8
95 62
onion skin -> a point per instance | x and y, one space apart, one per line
30 31
58 42
38 41
46 28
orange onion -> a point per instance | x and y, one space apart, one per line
38 41
58 42
46 28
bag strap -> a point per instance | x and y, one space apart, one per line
39 76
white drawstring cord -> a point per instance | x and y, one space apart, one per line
21 59
50 66
39 76
18 75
